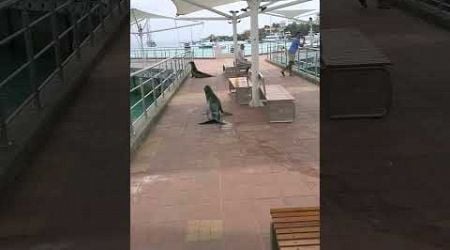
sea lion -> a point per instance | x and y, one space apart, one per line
215 110
196 73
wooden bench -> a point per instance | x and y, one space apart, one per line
295 228
235 71
280 103
242 87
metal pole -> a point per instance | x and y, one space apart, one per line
254 7
235 42
56 42
4 141
76 43
311 36
91 27
154 93
316 64
30 55
141 88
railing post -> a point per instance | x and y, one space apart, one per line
141 88
30 55
306 61
5 143
90 26
154 93
316 63
76 42
56 43
102 17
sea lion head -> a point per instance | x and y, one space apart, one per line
208 91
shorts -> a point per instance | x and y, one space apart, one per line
291 57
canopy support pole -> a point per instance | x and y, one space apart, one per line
235 42
254 36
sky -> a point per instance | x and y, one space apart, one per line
167 8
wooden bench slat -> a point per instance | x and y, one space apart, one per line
296 230
299 236
296 224
317 247
304 242
296 219
293 209
295 214
276 92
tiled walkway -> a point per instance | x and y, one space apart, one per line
211 187
70 196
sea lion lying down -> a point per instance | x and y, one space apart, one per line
214 111
196 73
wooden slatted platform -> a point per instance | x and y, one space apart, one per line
280 104
235 71
242 87
295 228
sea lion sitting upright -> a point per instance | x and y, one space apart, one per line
215 110
196 73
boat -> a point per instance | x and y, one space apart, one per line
187 45
151 43
206 45
312 40
272 38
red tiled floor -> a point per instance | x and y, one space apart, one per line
235 173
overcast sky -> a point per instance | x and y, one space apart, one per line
167 8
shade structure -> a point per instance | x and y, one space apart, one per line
136 14
292 13
185 7
189 6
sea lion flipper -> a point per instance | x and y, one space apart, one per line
211 122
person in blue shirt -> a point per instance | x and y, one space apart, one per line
296 43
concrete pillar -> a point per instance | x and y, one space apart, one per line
254 37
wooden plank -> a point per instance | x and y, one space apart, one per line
303 242
297 230
277 92
293 209
344 47
239 82
296 214
301 248
296 219
296 224
299 236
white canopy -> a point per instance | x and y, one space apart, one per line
291 13
188 6
255 7
138 15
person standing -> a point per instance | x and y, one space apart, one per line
295 45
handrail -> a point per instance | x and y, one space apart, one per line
154 65
149 86
307 58
33 54
7 3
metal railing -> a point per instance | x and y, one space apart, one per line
204 53
149 86
443 5
39 44
307 59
